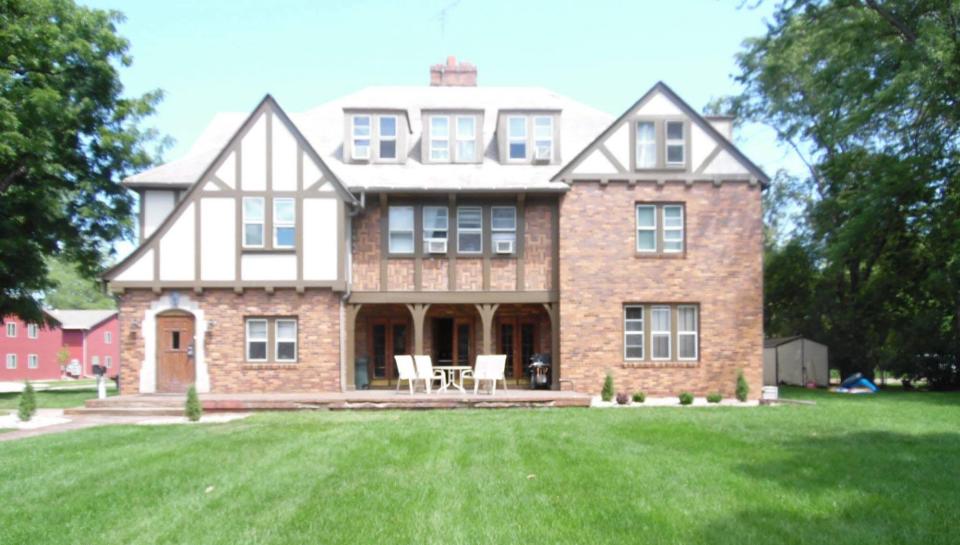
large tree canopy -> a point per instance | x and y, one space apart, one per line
868 93
67 136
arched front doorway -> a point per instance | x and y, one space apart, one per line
176 368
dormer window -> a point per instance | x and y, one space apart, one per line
543 138
439 138
360 132
466 138
517 137
388 137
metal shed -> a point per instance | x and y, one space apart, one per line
795 361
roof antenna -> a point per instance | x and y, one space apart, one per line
443 17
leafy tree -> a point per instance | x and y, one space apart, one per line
868 94
72 290
67 136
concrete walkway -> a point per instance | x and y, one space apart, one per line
90 421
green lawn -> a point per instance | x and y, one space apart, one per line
878 469
57 398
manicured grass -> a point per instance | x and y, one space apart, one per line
56 398
879 469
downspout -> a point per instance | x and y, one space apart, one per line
348 275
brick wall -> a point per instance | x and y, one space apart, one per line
318 313
537 262
722 272
366 250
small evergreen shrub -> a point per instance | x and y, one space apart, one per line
623 398
743 389
28 403
607 393
686 398
194 410
639 397
714 397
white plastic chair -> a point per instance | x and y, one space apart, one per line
407 372
490 367
427 373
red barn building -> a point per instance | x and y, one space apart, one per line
30 351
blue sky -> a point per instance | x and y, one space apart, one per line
220 55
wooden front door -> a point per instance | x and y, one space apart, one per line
517 338
388 338
175 353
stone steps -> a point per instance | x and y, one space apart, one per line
123 411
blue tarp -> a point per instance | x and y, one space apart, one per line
857 380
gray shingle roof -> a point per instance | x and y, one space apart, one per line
323 128
80 319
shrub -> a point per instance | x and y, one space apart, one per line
639 397
714 397
743 389
623 398
28 403
686 398
607 393
194 410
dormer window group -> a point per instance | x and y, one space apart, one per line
452 137
375 137
529 138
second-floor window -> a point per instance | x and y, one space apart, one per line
435 229
11 329
470 229
284 223
107 337
660 228
388 137
400 227
33 361
32 331
360 136
253 222
516 137
439 138
503 229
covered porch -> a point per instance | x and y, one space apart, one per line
451 332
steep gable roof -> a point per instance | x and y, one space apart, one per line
661 87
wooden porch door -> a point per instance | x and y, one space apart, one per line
387 338
517 338
175 353
451 341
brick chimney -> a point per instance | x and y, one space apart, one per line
453 74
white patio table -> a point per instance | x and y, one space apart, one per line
454 376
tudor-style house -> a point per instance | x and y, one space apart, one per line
301 252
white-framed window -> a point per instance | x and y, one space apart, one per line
253 222
436 224
107 362
516 137
675 143
107 337
388 136
256 341
646 228
633 332
11 329
543 137
11 361
672 228
646 154
503 227
33 361
470 230
360 136
439 138
400 229
466 138
660 332
32 331
284 223
285 343
688 327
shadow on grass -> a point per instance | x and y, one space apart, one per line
857 487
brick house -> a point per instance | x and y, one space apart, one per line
283 252
32 351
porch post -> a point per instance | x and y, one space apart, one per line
418 311
350 323
486 320
553 310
